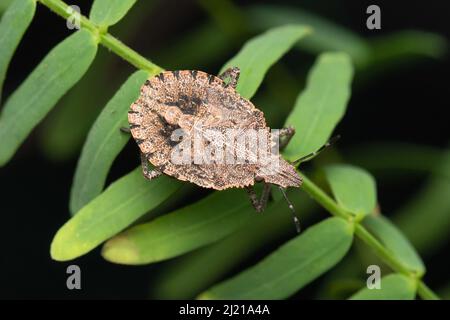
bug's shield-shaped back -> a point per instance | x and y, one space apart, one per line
282 174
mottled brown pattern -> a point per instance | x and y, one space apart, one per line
179 99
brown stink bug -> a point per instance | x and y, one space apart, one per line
187 112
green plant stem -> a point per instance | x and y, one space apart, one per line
381 251
425 292
134 58
61 9
128 54
327 202
106 39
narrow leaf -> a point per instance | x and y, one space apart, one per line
51 79
116 208
395 241
392 52
180 278
387 158
104 143
393 287
425 220
105 13
14 23
407 43
353 188
292 266
261 52
321 105
181 231
4 4
327 36
63 133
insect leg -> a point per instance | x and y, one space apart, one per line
148 173
315 153
254 199
233 74
265 194
286 134
125 130
291 207
259 205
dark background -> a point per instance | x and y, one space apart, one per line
409 106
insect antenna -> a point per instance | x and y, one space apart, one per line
315 153
291 207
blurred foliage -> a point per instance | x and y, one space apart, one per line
4 4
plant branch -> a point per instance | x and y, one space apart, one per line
362 233
106 39
327 202
382 251
140 62
425 292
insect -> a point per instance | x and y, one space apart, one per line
177 110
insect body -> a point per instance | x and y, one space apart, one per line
187 112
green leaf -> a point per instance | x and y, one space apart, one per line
4 4
64 131
14 23
402 48
397 157
321 105
105 13
425 220
180 278
51 79
393 287
327 36
395 242
261 52
406 43
292 266
183 230
354 188
122 203
104 143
